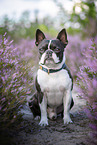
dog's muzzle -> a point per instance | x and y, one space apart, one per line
48 55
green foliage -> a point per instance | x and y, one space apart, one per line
24 28
81 20
85 13
73 31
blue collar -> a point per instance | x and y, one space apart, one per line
52 70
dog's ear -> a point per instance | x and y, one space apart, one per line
62 36
39 36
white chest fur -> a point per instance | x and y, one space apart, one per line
54 85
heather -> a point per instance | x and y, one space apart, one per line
81 57
74 52
15 82
87 82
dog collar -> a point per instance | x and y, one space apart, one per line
52 70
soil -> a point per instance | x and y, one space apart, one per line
56 133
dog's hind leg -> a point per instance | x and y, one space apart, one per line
72 103
34 105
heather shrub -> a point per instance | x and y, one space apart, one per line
74 52
87 81
27 50
15 82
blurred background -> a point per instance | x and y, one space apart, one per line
19 20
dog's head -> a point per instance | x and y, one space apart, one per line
51 51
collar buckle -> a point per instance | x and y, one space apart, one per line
48 71
40 67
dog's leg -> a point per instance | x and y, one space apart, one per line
43 108
34 105
67 103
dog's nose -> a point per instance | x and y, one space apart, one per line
49 53
54 117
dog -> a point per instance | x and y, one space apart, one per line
54 82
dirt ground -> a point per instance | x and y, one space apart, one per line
56 133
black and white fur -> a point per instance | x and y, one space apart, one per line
54 90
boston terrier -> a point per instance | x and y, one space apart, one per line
54 82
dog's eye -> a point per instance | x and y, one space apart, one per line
41 50
57 50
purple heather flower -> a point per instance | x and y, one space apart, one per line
5 34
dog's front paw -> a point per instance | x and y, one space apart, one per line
43 122
67 119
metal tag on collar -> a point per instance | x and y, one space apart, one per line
48 71
40 67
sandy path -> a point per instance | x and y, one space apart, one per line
56 133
